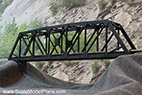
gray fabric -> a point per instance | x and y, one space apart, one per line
123 77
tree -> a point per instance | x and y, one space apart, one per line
23 27
35 24
11 27
7 39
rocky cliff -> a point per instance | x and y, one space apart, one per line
26 11
127 15
130 16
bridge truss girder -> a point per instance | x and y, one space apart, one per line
102 39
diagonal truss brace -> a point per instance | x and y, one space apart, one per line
74 41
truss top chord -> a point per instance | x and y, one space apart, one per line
99 39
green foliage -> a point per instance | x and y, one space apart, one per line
39 65
0 27
11 27
7 44
50 62
23 27
102 4
95 67
1 36
7 39
130 2
63 10
75 47
106 62
71 62
12 31
113 1
35 24
136 2
72 3
53 7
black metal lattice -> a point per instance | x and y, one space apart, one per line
100 39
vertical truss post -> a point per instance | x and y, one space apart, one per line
85 40
71 49
33 48
97 41
48 41
79 32
78 43
118 41
66 35
61 42
106 38
20 47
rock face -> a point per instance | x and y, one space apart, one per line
88 12
73 71
127 15
130 18
27 10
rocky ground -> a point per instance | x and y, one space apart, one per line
79 72
74 71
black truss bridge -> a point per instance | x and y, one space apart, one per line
102 39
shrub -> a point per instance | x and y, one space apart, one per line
95 67
11 27
72 3
71 63
113 1
39 65
35 24
62 10
102 4
53 7
130 2
136 2
50 62
106 62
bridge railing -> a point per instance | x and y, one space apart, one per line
85 40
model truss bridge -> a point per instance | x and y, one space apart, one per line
102 39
